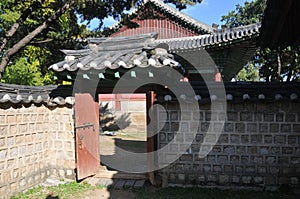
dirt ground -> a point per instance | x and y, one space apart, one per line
108 194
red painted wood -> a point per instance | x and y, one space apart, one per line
164 27
150 139
87 139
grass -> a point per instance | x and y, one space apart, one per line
62 191
205 193
75 190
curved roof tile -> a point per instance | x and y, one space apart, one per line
220 37
15 94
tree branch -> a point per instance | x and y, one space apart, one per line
23 42
18 23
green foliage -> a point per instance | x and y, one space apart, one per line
273 65
61 32
23 72
250 12
250 72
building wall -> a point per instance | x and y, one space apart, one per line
36 142
164 27
130 107
259 145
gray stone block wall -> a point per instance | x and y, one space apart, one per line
259 145
35 142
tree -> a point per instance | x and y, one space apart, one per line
28 22
273 65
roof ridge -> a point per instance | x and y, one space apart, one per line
254 26
182 16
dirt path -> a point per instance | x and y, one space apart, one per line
107 194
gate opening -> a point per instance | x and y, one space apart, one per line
123 125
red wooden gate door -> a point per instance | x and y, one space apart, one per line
87 135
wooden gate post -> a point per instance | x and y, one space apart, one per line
150 96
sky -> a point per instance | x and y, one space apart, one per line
208 12
211 11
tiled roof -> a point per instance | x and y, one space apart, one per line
235 92
112 53
238 92
220 37
172 12
17 94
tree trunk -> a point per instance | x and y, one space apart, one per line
279 64
23 42
18 23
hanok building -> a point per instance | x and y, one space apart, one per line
202 132
144 59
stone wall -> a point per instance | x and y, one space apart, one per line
36 142
259 145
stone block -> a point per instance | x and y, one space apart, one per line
256 139
204 126
279 117
235 179
269 117
252 149
268 139
263 150
271 160
270 180
211 159
279 139
274 170
292 139
181 177
257 159
285 128
275 150
263 127
3 130
228 127
222 159
232 116
223 139
234 159
174 116
217 168
224 179
290 117
210 138
211 178
245 159
234 139
206 168
262 169
246 179
274 128
11 119
258 180
296 127
240 127
240 149
245 139
250 169
287 150
251 127
294 180
246 116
